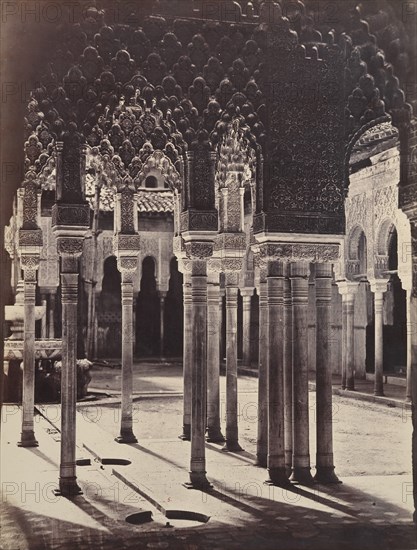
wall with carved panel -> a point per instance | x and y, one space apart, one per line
372 209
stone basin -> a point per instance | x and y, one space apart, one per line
45 348
15 314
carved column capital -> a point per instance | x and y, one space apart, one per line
30 264
379 286
347 289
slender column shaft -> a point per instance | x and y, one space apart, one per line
51 313
262 439
276 455
213 365
379 343
199 378
408 393
344 345
28 399
221 324
288 373
324 458
246 320
348 313
126 426
232 440
299 293
161 323
187 360
44 319
69 285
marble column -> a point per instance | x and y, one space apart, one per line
262 437
348 290
324 425
299 272
221 323
288 382
232 437
344 347
126 425
198 478
378 288
187 356
162 296
214 434
275 379
30 266
51 314
408 392
44 320
246 294
69 249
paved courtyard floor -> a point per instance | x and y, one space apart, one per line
371 509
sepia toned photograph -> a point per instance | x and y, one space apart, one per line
208 293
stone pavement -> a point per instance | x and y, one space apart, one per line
152 378
363 513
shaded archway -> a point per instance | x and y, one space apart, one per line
147 312
174 318
109 312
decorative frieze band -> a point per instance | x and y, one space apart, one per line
230 241
192 220
293 252
30 238
198 250
70 246
71 215
126 242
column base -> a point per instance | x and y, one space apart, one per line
186 432
278 477
27 439
198 481
215 436
326 474
302 475
350 388
68 488
128 437
232 447
379 393
261 461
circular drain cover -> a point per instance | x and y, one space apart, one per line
138 518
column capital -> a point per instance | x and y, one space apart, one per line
323 271
347 288
247 292
128 245
299 270
379 285
30 264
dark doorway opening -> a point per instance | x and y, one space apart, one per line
147 312
174 316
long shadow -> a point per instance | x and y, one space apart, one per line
361 496
156 455
43 456
244 456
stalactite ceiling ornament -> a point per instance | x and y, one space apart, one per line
135 89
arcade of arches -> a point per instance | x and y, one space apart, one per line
175 205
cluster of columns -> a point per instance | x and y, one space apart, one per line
283 406
348 291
